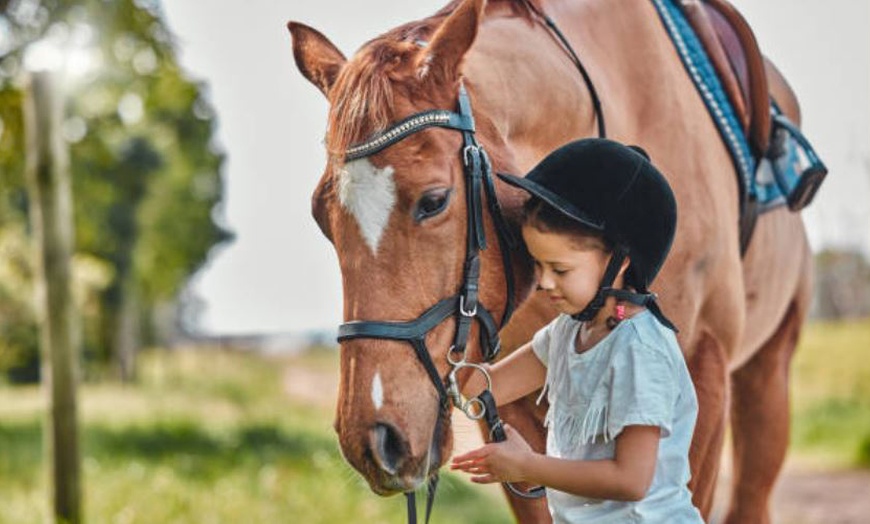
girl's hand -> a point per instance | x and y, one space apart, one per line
496 462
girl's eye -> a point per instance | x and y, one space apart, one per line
431 203
560 271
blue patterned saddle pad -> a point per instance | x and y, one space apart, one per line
778 178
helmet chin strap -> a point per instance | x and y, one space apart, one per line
597 302
647 300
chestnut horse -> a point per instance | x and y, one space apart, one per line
398 221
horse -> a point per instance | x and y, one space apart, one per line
398 210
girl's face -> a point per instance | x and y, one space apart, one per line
567 269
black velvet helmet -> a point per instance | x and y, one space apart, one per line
614 189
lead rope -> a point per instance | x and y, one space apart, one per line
497 434
483 407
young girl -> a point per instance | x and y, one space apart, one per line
622 406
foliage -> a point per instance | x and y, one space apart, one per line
831 393
842 284
226 446
145 169
18 336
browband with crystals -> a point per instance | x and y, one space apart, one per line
407 127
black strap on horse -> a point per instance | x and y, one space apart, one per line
596 102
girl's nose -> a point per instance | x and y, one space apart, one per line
545 282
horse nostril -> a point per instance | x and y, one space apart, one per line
388 447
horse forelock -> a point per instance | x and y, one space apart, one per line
365 92
364 95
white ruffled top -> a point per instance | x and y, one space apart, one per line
636 375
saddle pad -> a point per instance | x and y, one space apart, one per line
767 190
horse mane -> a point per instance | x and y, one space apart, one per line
366 87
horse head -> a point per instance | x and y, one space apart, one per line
398 216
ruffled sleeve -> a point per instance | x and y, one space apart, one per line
644 389
541 342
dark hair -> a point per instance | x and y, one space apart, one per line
546 218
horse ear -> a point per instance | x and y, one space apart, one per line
317 58
442 57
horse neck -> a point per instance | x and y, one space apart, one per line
530 97
515 91
510 85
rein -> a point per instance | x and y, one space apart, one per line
465 305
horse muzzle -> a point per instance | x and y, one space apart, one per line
388 460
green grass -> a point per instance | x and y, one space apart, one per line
206 437
830 386
212 437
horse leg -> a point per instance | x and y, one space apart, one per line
527 418
760 422
708 366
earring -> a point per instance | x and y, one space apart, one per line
612 322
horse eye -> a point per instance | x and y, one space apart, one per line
431 203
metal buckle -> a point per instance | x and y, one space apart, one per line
495 428
463 311
470 148
474 407
454 363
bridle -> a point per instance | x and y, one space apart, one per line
465 306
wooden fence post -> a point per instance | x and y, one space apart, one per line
51 217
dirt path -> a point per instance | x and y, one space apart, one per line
810 496
802 496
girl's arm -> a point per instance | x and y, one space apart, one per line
514 377
625 477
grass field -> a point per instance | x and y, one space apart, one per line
212 437
207 437
831 395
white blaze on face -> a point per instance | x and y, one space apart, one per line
369 194
377 391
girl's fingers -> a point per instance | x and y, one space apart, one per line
465 466
484 479
472 455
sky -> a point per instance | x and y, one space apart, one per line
281 275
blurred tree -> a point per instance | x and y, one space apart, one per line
146 171
842 285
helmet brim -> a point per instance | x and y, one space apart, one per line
551 198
